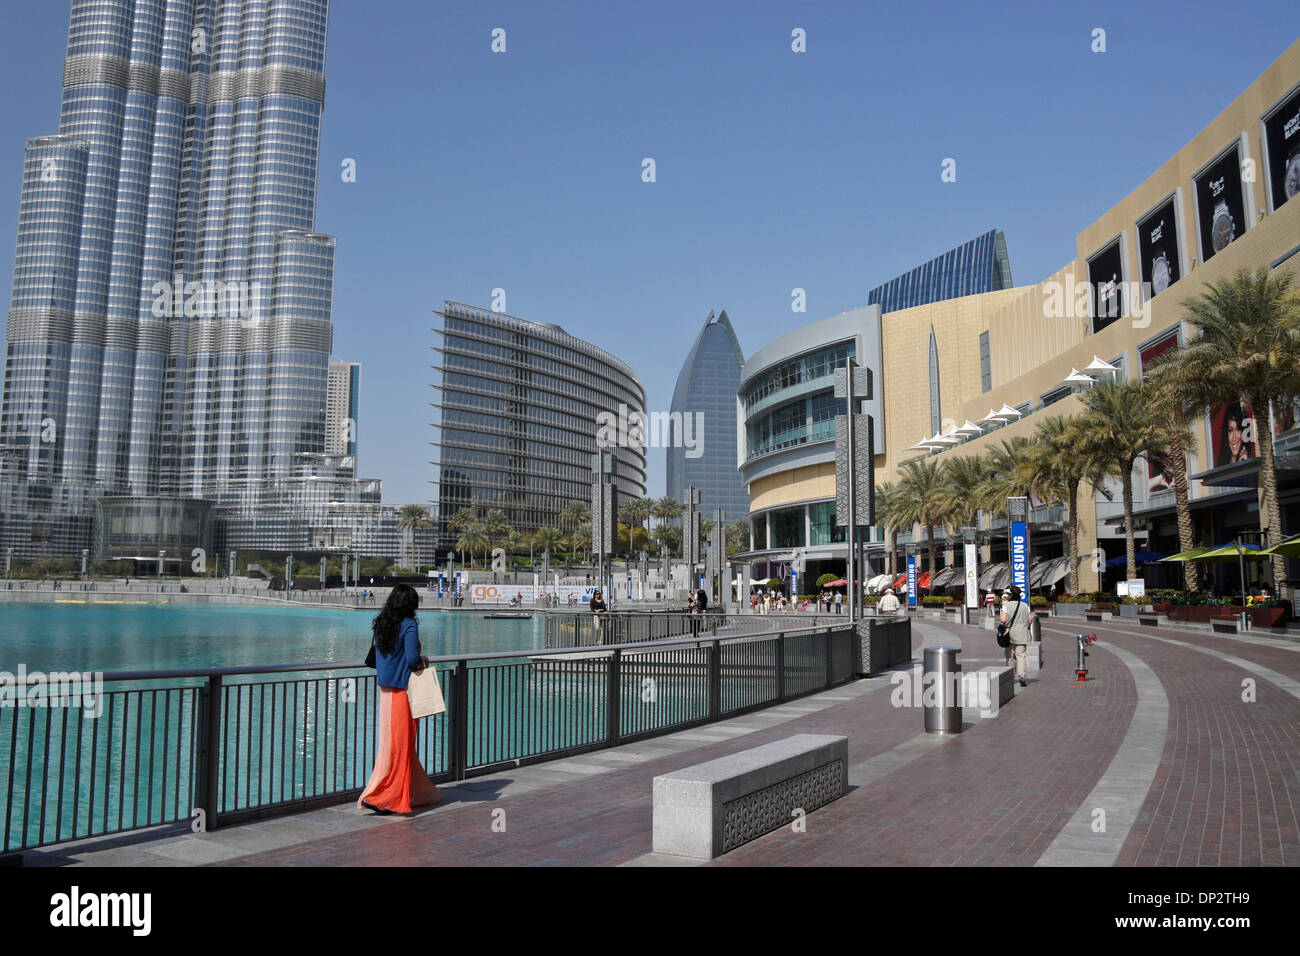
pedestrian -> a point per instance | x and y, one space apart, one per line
889 603
990 599
398 782
839 601
1019 618
598 609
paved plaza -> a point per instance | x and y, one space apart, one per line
1186 742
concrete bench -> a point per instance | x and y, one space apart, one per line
1148 620
1225 625
1096 617
706 810
1001 682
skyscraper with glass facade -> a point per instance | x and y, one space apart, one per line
703 435
981 265
521 405
170 320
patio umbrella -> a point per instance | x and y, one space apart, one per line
1287 549
1188 555
991 574
944 577
837 584
1230 552
1141 557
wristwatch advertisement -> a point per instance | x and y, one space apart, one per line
1160 246
1282 147
1219 202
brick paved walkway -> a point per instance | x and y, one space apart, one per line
1218 787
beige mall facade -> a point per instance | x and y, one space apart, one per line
1219 205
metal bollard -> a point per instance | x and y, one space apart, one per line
1083 640
940 678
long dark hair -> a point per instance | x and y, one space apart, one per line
401 604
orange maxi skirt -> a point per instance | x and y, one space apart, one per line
398 782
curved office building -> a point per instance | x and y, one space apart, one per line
787 453
702 447
519 402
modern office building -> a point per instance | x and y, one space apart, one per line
519 404
702 445
1223 203
980 265
342 408
787 441
170 321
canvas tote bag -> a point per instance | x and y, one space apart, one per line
425 693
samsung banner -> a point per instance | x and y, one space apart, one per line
972 578
1020 557
911 581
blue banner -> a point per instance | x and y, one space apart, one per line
911 581
1020 557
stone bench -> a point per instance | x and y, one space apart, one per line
1001 681
1095 616
1225 625
706 810
1148 620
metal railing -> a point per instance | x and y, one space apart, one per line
195 748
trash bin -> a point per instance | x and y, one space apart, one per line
941 673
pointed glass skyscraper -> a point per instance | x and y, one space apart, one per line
703 452
169 326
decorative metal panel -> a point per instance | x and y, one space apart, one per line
864 471
763 811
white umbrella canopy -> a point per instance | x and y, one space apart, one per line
968 428
1097 365
1078 378
993 416
1007 412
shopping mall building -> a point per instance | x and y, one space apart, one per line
957 375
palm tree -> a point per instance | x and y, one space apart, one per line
548 539
574 514
580 537
409 518
1119 427
495 525
1172 460
962 479
920 483
473 539
636 511
667 508
1249 348
737 536
1054 468
891 513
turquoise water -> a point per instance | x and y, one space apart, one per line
287 737
118 637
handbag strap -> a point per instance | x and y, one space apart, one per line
1013 616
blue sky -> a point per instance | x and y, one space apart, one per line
775 170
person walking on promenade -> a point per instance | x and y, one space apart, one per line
398 782
990 603
1019 617
889 603
839 601
598 608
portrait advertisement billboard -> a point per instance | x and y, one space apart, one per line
1147 354
1232 433
1220 207
1159 247
1106 277
1282 148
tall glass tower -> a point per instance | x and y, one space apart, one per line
169 326
704 415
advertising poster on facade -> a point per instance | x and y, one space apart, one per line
1106 276
1282 148
1147 354
1159 249
1219 205
1232 433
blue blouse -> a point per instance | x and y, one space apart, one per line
394 670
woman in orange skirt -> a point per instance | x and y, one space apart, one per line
398 782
